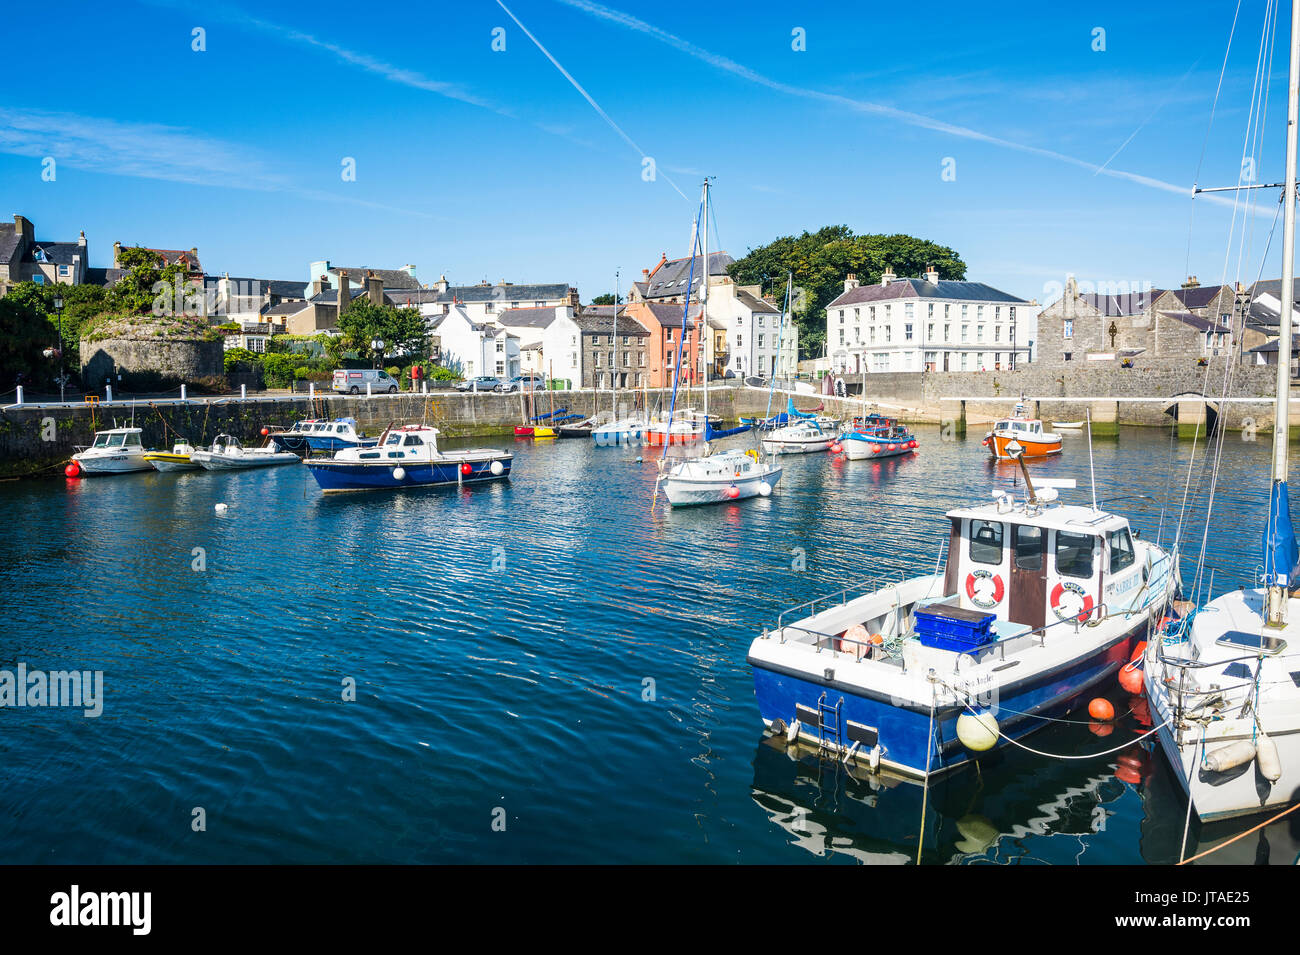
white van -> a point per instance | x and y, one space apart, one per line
353 381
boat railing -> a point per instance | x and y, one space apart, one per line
864 586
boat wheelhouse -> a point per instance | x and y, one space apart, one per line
295 438
408 457
114 451
1028 433
1038 604
336 435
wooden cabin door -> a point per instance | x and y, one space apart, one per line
1028 604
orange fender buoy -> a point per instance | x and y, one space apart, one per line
1130 678
1101 729
1101 709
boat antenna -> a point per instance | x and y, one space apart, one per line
1017 452
1092 474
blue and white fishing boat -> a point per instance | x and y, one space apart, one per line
802 437
337 435
875 436
295 438
407 457
1039 604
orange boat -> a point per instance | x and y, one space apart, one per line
1028 433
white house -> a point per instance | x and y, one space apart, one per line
483 302
555 331
758 343
480 348
926 324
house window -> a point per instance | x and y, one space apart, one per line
931 360
947 333
908 310
760 338
907 331
501 346
841 317
930 310
964 309
929 332
997 333
965 333
979 333
1067 328
501 368
627 339
1011 313
1068 356
597 359
740 339
889 332
641 362
627 359
871 313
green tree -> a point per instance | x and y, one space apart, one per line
138 290
81 303
606 299
820 260
402 331
24 335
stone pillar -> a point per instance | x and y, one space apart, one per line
1105 418
1191 418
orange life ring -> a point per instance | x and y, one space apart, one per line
985 601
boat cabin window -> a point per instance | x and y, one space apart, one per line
116 440
1073 554
101 441
412 440
1002 426
1254 642
394 439
132 440
986 542
1121 550
1028 542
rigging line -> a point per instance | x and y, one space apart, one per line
1223 69
1241 835
1152 115
588 97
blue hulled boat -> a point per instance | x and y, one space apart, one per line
407 457
1038 607
875 436
337 435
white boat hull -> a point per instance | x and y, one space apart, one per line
118 462
687 492
173 465
211 461
797 445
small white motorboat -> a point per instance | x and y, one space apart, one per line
802 437
1068 425
715 478
623 432
177 459
227 454
114 451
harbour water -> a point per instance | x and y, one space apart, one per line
545 670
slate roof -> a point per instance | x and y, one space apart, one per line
529 317
1130 303
669 279
284 288
920 288
286 308
1199 297
1198 323
670 315
56 253
10 241
555 291
104 277
330 296
755 304
599 320
1270 347
393 278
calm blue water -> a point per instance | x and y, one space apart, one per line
519 691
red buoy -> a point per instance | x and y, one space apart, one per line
466 469
733 492
73 469
1100 709
265 432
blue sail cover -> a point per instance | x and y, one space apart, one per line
711 435
1281 553
795 412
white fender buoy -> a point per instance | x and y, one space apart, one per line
792 733
496 467
977 733
399 473
1230 756
220 508
1270 763
873 758
765 489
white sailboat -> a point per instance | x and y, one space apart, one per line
712 477
1223 687
618 430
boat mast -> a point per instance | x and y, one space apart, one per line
613 372
1278 580
704 299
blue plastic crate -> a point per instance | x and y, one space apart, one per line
952 628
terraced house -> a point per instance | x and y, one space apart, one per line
613 352
926 324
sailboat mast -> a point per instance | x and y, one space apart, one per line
704 300
613 372
1282 417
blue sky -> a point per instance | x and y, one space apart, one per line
487 165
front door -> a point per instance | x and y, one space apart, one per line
1028 575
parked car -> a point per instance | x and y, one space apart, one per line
481 383
524 383
353 381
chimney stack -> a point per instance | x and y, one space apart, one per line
1191 282
887 276
931 275
345 291
851 281
374 288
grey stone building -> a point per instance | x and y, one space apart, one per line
1190 322
25 258
610 348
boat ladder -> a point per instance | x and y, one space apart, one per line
829 734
